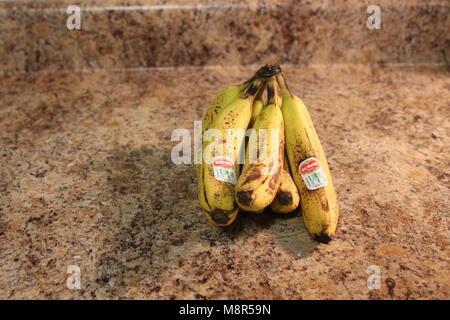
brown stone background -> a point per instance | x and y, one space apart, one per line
86 177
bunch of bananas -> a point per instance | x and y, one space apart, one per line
283 162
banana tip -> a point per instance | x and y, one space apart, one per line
285 198
244 197
322 238
220 217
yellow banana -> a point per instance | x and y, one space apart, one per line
225 96
287 198
309 166
260 179
220 166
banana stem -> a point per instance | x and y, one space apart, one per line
247 83
283 85
263 73
262 87
261 91
272 91
266 71
254 89
258 74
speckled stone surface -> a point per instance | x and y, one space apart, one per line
148 33
86 179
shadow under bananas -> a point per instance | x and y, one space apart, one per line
288 230
153 220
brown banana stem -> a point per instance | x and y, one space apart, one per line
283 85
272 91
254 88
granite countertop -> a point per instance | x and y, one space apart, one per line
129 34
86 179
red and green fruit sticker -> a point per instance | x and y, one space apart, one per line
223 168
312 174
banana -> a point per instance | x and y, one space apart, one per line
225 96
260 179
287 198
220 166
320 208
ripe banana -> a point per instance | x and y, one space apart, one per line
260 179
225 96
287 198
309 167
220 166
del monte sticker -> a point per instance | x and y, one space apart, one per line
309 165
223 168
312 174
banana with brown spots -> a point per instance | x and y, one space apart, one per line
261 174
309 166
220 166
